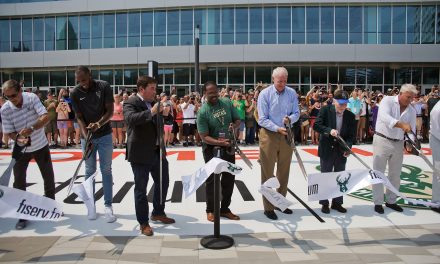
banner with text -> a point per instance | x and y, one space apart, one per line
323 186
192 182
85 192
268 190
15 203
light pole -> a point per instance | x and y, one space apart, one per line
196 66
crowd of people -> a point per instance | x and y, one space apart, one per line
92 115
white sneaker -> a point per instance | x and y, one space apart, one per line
110 217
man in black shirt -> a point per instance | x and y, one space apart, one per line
92 101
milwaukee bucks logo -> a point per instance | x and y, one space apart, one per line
342 182
233 168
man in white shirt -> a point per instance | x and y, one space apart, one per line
434 142
419 105
396 116
189 110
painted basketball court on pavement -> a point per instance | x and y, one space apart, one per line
246 201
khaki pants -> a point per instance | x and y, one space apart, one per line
274 149
386 152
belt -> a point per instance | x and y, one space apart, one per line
392 139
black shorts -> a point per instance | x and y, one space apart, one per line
188 129
117 124
175 127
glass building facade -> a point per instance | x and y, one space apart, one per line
336 24
333 24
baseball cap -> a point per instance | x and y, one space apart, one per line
341 96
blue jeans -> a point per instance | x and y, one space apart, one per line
250 135
104 147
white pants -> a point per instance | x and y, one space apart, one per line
386 152
435 148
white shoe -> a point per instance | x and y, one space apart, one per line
110 217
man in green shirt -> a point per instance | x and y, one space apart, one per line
51 127
213 121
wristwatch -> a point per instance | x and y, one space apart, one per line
32 128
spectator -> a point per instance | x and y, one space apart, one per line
189 110
251 105
117 122
51 129
354 105
304 119
315 106
63 111
239 104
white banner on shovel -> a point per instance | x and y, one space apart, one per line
15 203
192 182
323 186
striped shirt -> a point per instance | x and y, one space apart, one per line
15 119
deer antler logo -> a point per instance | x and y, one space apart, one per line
343 182
233 168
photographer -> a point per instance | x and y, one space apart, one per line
189 110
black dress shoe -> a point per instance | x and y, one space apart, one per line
339 208
394 206
436 209
271 215
287 211
325 209
378 209
21 224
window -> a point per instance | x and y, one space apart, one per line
130 76
208 75
186 27
341 25
249 75
333 75
181 75
235 75
263 74
370 25
298 25
118 76
73 33
293 76
399 23
41 78
305 75
109 30
319 75
416 75
27 34
121 30
255 25
428 24
4 36
402 76
430 75
147 29
49 32
71 78
270 25
228 26
61 33
355 17
97 31
201 21
84 33
38 30
16 35
241 25
106 75
374 75
413 24
222 73
312 25
327 31
438 24
388 76
57 78
361 76
384 18
134 29
173 28
213 27
347 75
160 28
284 25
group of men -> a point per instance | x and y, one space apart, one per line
92 102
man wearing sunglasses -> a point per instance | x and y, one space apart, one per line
24 118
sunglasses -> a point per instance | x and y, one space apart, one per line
12 96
